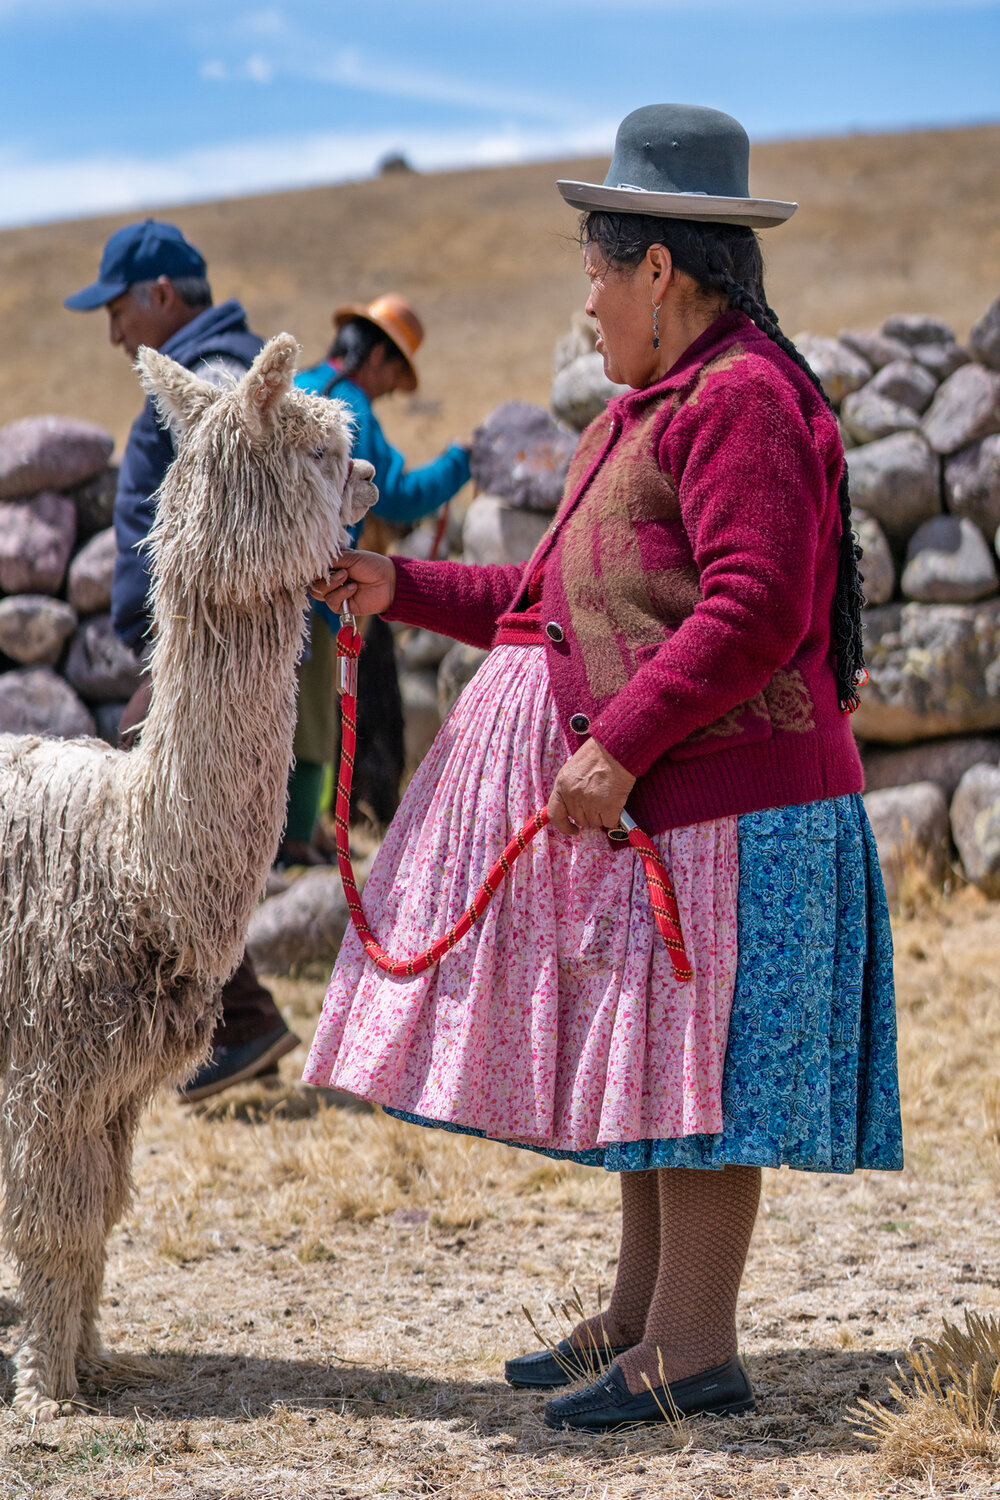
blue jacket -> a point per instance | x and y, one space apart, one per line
404 495
217 332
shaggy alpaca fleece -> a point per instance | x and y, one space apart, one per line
127 881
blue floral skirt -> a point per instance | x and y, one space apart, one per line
810 1076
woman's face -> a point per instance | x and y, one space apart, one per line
621 304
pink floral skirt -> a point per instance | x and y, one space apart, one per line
557 1021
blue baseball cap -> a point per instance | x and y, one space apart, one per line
139 252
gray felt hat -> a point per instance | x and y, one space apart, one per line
680 161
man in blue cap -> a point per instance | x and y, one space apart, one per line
155 288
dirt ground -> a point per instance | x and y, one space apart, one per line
328 1296
888 223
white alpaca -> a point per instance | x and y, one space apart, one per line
127 880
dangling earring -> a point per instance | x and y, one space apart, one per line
656 325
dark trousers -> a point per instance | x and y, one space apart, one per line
248 1009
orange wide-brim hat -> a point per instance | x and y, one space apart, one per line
396 318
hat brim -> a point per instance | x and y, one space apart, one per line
351 310
98 294
755 213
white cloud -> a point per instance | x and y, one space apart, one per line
32 191
256 68
265 23
259 69
296 51
350 67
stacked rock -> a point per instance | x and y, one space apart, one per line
63 670
920 416
921 421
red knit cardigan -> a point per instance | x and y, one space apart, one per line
689 576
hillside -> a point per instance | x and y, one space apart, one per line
901 222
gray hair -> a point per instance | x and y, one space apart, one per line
194 290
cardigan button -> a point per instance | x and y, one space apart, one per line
579 723
554 631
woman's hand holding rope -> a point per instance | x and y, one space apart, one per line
591 789
363 583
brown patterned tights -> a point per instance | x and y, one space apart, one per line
623 1321
685 1236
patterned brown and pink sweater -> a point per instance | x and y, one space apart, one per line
686 587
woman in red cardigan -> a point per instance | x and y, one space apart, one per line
684 643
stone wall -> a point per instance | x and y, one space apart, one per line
62 668
920 415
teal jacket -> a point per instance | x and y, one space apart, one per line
404 495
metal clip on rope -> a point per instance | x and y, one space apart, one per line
661 890
347 663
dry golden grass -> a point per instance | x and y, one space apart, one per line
947 1413
327 1296
888 223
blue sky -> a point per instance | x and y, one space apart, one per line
116 104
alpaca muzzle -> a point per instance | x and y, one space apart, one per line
360 494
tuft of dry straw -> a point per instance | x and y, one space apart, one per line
678 1432
593 1355
949 1411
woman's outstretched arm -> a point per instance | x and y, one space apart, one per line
463 600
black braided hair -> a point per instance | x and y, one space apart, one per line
355 340
726 259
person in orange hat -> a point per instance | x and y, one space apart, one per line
372 356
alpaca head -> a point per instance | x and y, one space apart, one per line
260 495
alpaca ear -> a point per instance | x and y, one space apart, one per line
269 378
180 396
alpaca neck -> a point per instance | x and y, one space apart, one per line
209 776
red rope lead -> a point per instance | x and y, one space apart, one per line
442 527
663 900
661 890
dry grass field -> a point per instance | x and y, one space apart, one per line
327 1296
888 223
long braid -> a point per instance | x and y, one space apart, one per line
726 258
848 599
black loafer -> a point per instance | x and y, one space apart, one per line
723 1392
546 1369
